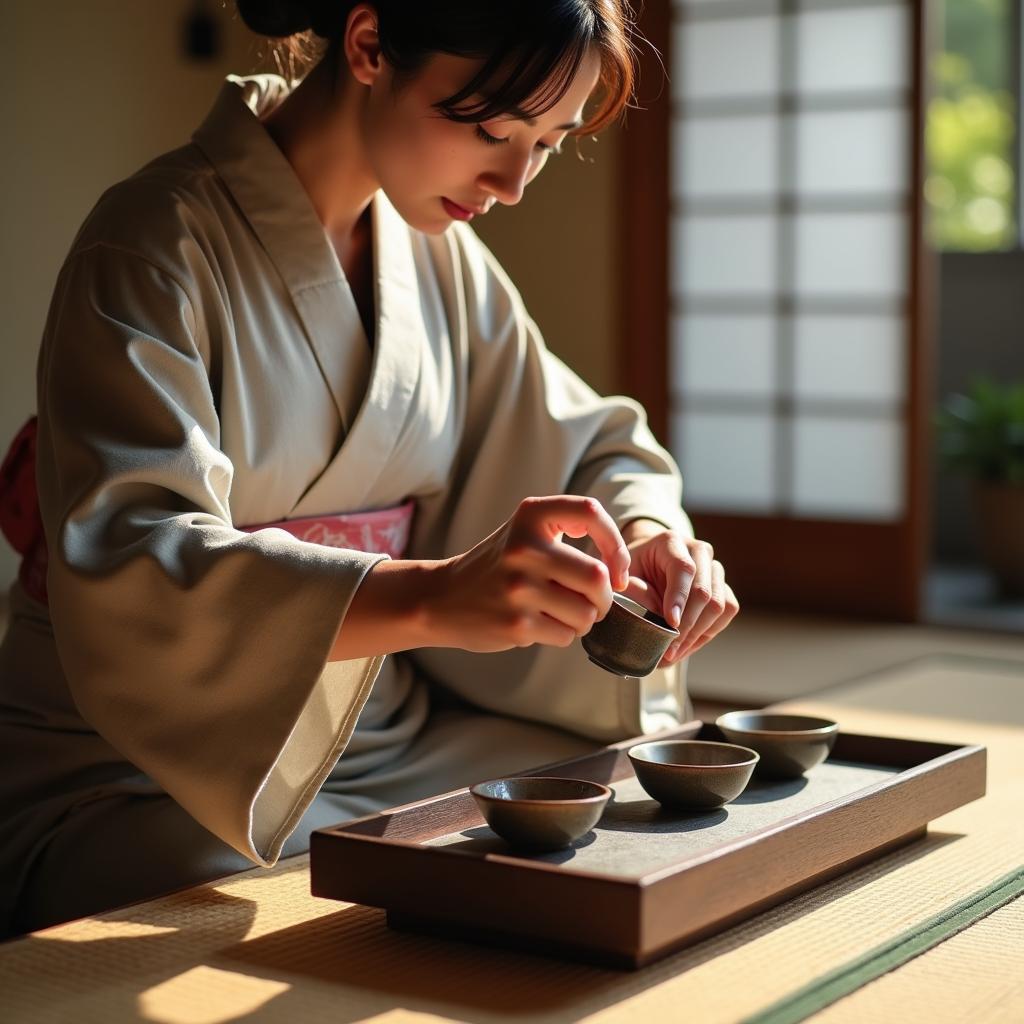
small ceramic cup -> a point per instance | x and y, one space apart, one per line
629 640
789 745
539 813
693 775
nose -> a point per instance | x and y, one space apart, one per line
508 181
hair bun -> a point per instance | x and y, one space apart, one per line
276 18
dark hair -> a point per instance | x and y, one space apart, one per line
531 49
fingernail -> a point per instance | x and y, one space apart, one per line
674 615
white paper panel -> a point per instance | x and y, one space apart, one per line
850 357
850 50
728 58
723 355
727 460
724 255
848 468
844 254
730 156
853 152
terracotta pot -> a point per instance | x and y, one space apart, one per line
999 513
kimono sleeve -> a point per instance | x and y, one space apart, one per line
197 650
565 432
533 427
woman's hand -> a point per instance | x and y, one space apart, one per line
522 585
679 578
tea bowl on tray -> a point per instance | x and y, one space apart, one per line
789 745
630 640
692 775
540 813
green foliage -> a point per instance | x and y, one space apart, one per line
980 31
970 130
970 184
981 433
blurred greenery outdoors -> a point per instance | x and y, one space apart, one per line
981 433
970 130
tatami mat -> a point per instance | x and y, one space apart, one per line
765 657
975 976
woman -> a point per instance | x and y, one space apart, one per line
284 392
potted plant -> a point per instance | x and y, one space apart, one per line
981 434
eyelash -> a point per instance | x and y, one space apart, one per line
492 140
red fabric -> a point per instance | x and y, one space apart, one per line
20 521
383 530
19 510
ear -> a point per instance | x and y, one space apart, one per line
361 44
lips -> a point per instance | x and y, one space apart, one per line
453 209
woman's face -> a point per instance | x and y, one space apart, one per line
434 170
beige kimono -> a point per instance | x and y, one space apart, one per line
204 367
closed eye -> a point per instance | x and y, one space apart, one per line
493 140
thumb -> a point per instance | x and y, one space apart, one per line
643 593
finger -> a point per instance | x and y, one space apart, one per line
566 607
729 613
715 607
572 570
579 516
677 650
539 595
679 570
529 628
698 591
643 593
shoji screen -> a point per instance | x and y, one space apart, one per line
792 320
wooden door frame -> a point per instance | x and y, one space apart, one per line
873 570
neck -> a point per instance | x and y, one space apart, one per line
317 129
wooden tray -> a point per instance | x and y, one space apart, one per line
646 881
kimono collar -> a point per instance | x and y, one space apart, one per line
281 214
271 196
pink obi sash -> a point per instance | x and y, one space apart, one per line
384 531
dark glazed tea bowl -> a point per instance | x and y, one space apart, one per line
540 813
629 640
693 775
789 745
